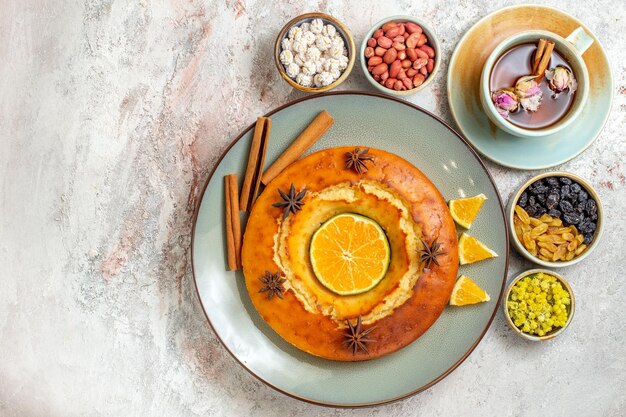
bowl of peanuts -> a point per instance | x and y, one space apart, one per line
555 219
400 55
314 52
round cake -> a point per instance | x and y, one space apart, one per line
350 253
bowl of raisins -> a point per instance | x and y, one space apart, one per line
555 219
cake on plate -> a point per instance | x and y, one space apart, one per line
350 253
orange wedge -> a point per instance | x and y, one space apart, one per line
467 292
349 254
473 250
465 210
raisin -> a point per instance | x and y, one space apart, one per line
580 207
588 238
594 216
592 226
554 213
552 181
590 206
540 211
565 191
566 206
531 210
565 181
552 201
571 217
532 201
541 198
575 188
583 196
523 200
584 226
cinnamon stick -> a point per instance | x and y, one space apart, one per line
233 225
545 60
256 161
311 134
538 53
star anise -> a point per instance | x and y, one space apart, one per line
430 252
356 337
273 284
292 202
357 158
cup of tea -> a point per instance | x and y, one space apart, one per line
513 59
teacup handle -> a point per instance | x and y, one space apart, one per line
580 39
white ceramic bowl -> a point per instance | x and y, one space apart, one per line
553 333
520 247
433 42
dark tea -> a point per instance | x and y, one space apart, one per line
517 62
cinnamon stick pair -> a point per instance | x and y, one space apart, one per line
542 58
233 222
256 161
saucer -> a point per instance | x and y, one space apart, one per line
503 148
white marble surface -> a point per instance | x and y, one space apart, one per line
112 114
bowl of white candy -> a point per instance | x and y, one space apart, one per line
314 52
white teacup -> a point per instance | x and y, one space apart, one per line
571 48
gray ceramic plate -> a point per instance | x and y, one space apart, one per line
423 139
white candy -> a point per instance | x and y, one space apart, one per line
292 70
343 62
335 74
326 78
304 80
299 59
299 46
286 44
323 43
308 68
338 40
313 54
331 64
286 57
319 65
335 51
316 26
308 38
317 80
329 30
305 27
295 33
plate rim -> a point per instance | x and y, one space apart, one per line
463 131
447 371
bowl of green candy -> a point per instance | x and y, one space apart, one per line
539 304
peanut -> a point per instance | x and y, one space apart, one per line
413 27
379 51
394 69
377 33
390 56
429 51
407 83
399 46
402 55
431 65
384 41
371 42
379 69
406 63
398 85
390 82
388 26
369 52
418 80
422 41
373 61
412 40
411 54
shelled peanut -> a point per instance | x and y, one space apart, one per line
546 237
399 57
